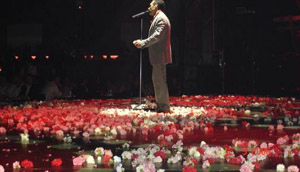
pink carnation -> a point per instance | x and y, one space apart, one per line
293 168
78 161
245 168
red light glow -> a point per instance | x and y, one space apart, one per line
104 56
16 57
33 57
114 56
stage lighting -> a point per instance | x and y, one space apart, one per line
16 57
114 56
85 56
47 57
0 69
104 56
33 57
91 56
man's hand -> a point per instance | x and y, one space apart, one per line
137 43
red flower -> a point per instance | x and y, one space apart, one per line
56 162
195 162
189 169
161 154
210 160
235 160
106 158
201 151
134 156
256 165
27 164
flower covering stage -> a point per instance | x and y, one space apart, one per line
201 133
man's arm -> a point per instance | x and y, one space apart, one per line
154 38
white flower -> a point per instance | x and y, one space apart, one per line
160 170
24 138
174 159
90 160
119 168
247 112
140 168
125 146
126 155
193 152
202 143
157 159
169 138
67 139
97 131
117 160
280 168
1 168
114 132
16 165
99 159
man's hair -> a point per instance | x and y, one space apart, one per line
160 4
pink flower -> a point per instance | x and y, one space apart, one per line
99 151
293 168
2 131
281 141
1 168
280 127
78 161
245 168
206 164
271 128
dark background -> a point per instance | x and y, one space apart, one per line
219 46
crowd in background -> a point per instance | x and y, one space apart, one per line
29 85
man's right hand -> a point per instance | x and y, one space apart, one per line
137 43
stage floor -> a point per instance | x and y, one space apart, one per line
203 133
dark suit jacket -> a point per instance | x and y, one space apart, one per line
159 40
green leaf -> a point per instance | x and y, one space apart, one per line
260 125
140 146
11 137
292 127
31 142
224 167
64 146
229 125
116 142
85 153
96 137
96 170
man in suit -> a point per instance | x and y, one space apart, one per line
160 54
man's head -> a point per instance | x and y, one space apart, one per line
156 5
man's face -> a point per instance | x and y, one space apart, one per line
152 8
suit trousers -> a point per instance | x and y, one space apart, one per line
159 79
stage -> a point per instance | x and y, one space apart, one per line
201 133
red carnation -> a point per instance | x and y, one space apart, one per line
106 158
200 150
161 154
56 162
189 169
194 161
27 164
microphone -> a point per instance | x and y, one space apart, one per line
141 14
